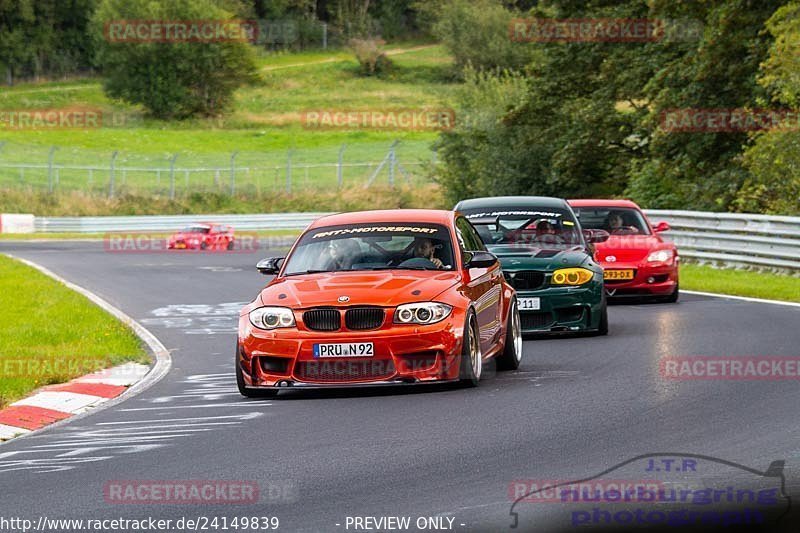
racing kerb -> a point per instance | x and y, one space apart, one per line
727 239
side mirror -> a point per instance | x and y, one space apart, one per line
661 226
479 260
595 235
270 266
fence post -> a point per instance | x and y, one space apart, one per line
111 177
339 169
50 158
324 35
392 163
289 171
233 173
172 177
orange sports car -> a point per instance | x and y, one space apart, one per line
379 298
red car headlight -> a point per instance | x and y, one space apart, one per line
659 256
421 313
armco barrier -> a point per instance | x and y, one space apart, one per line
290 221
14 223
732 239
738 240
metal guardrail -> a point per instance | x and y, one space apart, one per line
738 240
290 221
732 239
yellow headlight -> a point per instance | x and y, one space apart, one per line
572 276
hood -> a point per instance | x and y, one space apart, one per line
514 258
386 288
628 247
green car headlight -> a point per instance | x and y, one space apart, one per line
571 276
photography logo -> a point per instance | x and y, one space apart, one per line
674 491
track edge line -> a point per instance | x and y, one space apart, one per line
158 352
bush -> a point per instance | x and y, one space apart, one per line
372 59
476 33
177 79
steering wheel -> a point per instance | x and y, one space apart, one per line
418 262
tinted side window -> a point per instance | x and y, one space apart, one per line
468 237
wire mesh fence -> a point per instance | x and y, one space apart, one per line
55 169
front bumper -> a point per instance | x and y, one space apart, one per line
648 280
402 355
563 309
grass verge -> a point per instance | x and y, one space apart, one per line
51 334
76 203
740 283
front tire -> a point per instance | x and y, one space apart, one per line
471 356
602 329
672 298
511 357
243 390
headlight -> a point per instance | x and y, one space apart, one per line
272 317
660 256
572 276
421 313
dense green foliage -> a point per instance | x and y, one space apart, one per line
172 79
589 123
773 185
43 37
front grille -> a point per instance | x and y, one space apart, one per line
340 370
525 280
364 318
323 319
535 320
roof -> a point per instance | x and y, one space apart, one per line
407 216
602 203
506 202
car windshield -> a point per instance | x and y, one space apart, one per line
374 246
196 229
526 228
615 220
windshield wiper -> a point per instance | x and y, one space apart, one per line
401 268
310 271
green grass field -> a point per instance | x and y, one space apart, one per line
51 334
264 127
740 283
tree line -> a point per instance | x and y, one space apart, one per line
586 118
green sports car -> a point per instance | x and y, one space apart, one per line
547 258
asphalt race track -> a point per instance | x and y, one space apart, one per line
577 407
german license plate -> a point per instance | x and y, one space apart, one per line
618 274
530 304
350 349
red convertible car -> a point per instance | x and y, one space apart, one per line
203 237
379 298
637 262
